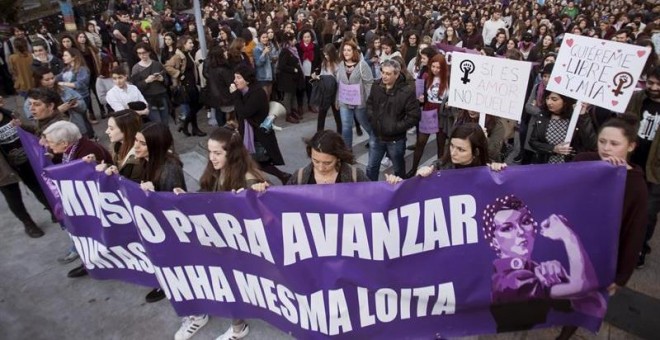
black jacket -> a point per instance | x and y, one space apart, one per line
290 76
584 138
218 80
391 113
252 108
54 64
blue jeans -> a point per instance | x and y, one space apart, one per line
184 111
395 150
159 110
346 113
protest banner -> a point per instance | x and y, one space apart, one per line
488 85
37 156
362 266
599 72
432 257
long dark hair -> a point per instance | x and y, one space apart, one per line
239 162
216 57
473 133
159 144
331 143
129 123
566 110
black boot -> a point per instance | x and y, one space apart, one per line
79 271
195 129
155 295
32 229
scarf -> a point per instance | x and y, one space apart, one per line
294 51
308 51
69 152
539 94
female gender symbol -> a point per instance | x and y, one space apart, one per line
467 67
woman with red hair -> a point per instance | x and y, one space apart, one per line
436 82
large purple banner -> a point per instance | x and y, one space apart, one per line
462 252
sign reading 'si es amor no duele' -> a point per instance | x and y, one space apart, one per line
599 72
494 86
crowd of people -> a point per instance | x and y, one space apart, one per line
143 66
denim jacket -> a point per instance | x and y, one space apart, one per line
262 64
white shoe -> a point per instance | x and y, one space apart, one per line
190 326
231 335
386 162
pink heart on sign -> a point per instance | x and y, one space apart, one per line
558 79
641 53
569 42
614 103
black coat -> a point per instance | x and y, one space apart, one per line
290 77
391 113
584 138
218 80
252 107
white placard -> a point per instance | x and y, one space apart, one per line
599 72
495 86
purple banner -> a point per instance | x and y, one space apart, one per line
462 252
38 159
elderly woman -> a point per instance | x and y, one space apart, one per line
64 138
528 289
332 162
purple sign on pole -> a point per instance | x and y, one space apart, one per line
459 253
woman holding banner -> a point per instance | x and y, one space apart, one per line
64 138
494 129
617 139
332 162
162 170
550 128
468 148
433 99
122 128
230 168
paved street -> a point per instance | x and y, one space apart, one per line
38 301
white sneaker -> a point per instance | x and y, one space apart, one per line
386 162
231 335
190 326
